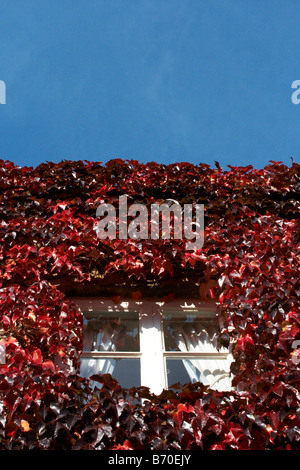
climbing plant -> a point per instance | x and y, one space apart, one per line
249 264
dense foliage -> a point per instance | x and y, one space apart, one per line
249 264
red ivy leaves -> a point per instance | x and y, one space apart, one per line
249 264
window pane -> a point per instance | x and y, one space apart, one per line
211 372
190 333
125 371
111 333
176 372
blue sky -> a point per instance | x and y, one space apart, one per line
150 80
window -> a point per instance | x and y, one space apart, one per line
111 345
190 349
153 344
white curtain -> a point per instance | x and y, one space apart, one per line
90 366
212 372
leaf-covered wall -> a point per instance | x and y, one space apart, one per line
249 264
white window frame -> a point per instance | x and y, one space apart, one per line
152 354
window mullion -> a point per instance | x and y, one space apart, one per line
152 360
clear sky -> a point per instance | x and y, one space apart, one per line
150 80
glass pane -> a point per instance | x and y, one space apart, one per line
193 333
125 371
176 372
211 372
111 333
